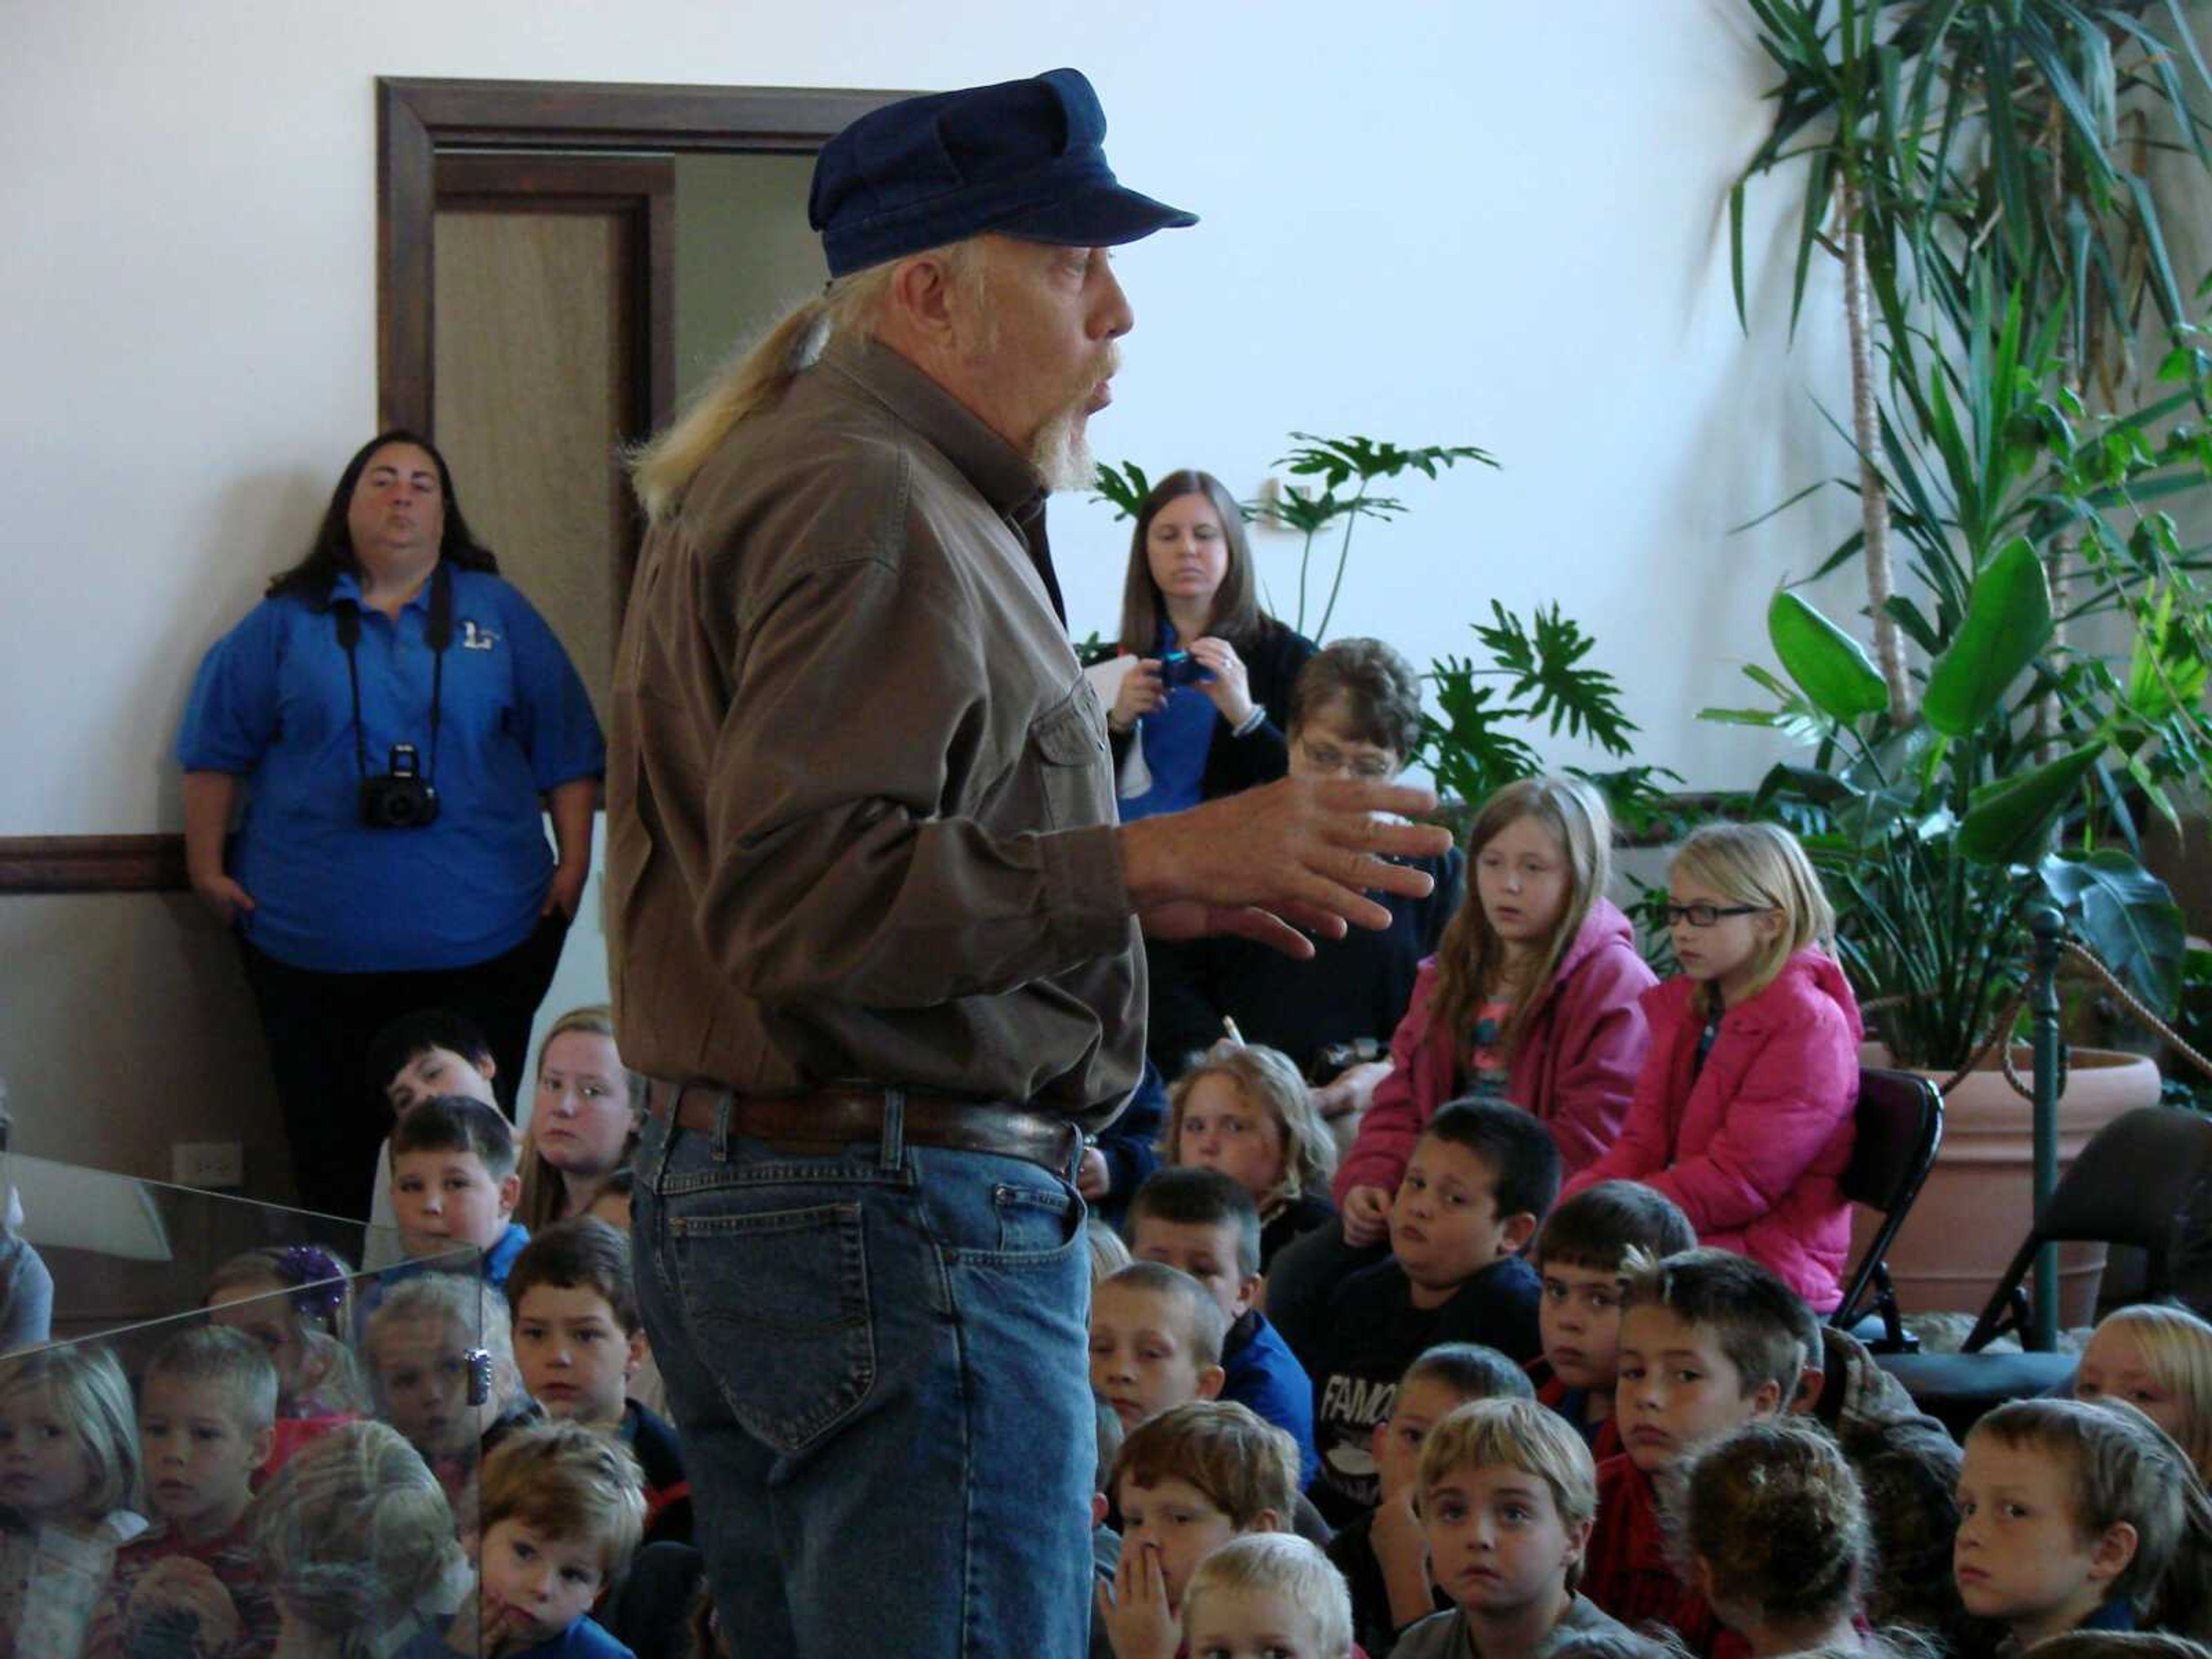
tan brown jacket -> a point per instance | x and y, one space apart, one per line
860 805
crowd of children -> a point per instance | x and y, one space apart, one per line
1553 1379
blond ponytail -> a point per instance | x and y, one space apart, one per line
759 375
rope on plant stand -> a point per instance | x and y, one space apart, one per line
2001 1030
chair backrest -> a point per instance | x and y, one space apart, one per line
2129 1184
1900 1125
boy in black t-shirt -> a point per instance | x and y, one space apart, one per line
1481 1177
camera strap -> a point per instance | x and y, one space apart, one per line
437 635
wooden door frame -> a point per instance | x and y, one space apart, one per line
415 119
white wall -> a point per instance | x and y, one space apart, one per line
1466 223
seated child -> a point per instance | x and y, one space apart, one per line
69 1463
293 1300
585 1117
1204 1223
419 1346
1481 1177
1582 1252
2158 1358
1507 1494
1383 1555
418 1057
1248 1113
578 1342
1155 1338
454 1185
207 1411
1709 1342
1105 1542
2074 1517
1743 1110
1266 1593
561 1511
1186 1483
354 1541
1774 1535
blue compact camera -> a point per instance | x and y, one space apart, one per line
1180 668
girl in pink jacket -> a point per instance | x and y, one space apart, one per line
1530 998
1743 1111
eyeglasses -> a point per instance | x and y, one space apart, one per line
1705 916
1367 768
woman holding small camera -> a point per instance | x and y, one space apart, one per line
399 718
1206 699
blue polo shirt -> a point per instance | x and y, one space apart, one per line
272 706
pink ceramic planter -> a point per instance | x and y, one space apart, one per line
1980 1200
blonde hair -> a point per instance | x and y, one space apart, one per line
1759 864
1514 1434
1109 1255
1267 1078
2122 1467
87 1388
543 1189
1242 1466
355 1532
570 1482
465 1306
1471 956
2176 1346
759 374
1777 1515
229 1360
1284 1565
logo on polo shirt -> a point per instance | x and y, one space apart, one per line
474 638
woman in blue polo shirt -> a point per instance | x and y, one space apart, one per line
399 718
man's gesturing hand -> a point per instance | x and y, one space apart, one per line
1294 853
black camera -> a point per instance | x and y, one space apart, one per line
1179 669
401 799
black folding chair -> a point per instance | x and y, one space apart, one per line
2128 1187
1900 1125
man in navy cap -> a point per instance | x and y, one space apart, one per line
870 916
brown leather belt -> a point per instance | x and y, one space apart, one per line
827 1121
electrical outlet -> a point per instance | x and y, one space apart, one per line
208 1163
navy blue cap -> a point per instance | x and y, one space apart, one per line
1023 158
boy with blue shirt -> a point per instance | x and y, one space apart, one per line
1481 1177
1205 1223
454 1183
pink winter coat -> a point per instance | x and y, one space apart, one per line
1754 1149
1576 1070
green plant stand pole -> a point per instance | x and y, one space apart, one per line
2048 927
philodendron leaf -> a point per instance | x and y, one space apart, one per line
2007 822
2008 622
2127 916
1828 665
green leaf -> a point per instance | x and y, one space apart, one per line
2009 821
2126 916
1124 489
2007 624
1829 665
1547 665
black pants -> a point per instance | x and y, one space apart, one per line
318 1027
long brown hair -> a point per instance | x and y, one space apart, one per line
1471 957
1236 616
544 1187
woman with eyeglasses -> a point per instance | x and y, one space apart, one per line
1355 712
1743 1111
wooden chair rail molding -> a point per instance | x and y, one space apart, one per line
92 863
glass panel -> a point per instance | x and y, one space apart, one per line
235 1432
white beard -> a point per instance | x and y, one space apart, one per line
1062 451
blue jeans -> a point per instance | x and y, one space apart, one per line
878 1365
